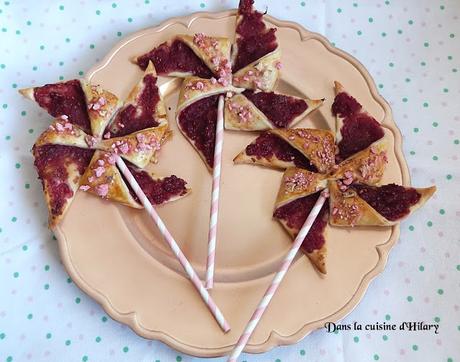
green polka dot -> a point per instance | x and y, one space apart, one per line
437 319
67 40
5 106
118 33
452 35
8 138
426 44
449 57
9 359
391 64
277 360
77 300
422 64
16 274
412 153
410 22
429 223
2 335
69 280
400 31
98 12
46 286
442 7
30 316
98 339
415 347
355 5
68 342
450 360
384 34
356 339
445 90
371 20
202 5
4 30
387 317
24 248
3 66
42 47
359 32
421 268
454 70
435 158
178 358
27 186
387 2
104 319
61 7
425 104
48 335
61 63
147 1
376 357
114 5
456 142
410 299
18 32
302 3
380 86
385 337
440 291
458 267
47 267
411 227
449 177
80 72
407 80
405 99
29 23
84 358
91 46
416 129
23 113
302 352
130 20
14 219
435 124
125 349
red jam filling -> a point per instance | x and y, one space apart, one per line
140 116
255 39
391 201
359 129
296 212
268 145
198 122
51 162
67 99
177 57
158 191
279 109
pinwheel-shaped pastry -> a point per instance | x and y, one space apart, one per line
355 195
77 150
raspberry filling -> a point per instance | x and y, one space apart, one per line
158 191
67 99
177 57
391 201
359 129
139 116
279 109
268 145
254 40
198 122
51 162
296 212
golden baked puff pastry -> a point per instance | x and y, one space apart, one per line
62 132
85 105
139 147
356 129
311 149
186 55
196 113
365 167
255 53
366 205
257 111
298 194
143 108
102 178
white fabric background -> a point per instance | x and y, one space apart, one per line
410 47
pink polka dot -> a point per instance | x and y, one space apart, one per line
47 353
426 300
368 335
69 325
111 352
81 337
386 292
401 264
2 313
322 352
447 255
13 291
30 299
456 308
22 337
29 355
402 352
59 305
438 342
45 318
440 234
8 260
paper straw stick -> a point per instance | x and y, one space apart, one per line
212 236
174 247
278 278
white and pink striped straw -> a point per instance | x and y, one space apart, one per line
173 245
216 172
258 313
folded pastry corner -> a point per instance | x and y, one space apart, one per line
366 205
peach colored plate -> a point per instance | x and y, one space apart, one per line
116 255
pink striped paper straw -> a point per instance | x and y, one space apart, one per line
278 278
212 236
174 247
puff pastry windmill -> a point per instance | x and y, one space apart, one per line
349 172
86 145
245 73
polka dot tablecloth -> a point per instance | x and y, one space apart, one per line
410 47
